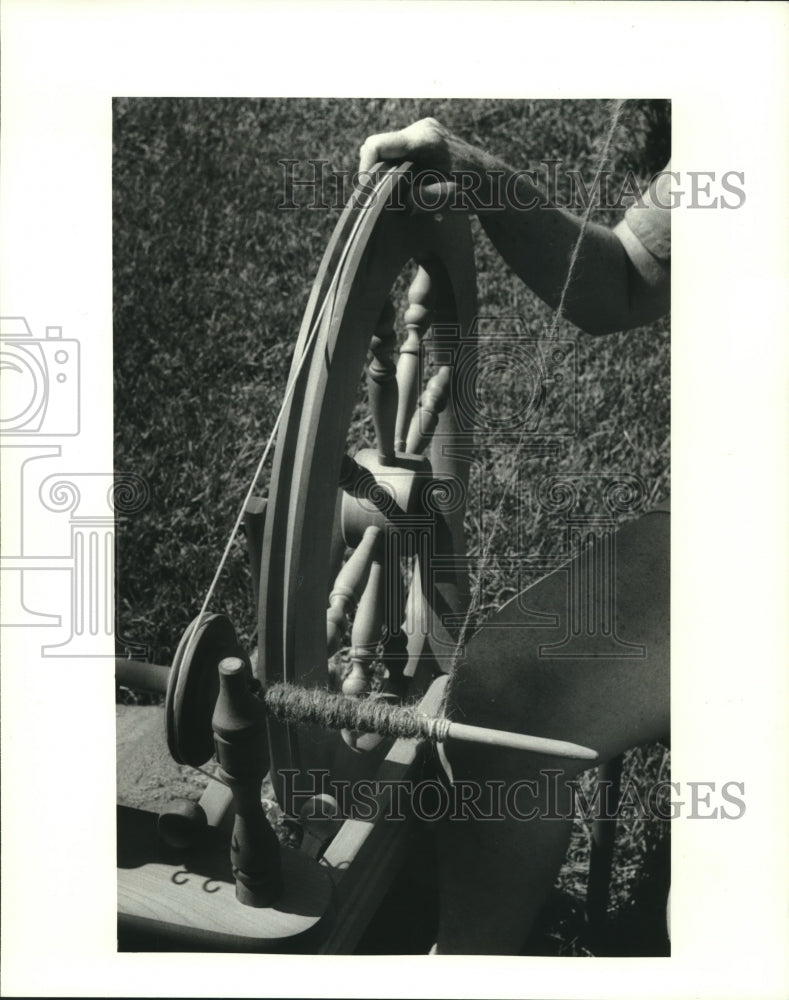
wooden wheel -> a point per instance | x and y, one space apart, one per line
405 496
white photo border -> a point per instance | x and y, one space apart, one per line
725 69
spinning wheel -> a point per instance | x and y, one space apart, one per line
405 498
394 499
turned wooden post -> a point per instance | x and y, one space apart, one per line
241 740
367 625
348 589
432 402
382 383
417 321
395 655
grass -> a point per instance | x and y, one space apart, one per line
210 281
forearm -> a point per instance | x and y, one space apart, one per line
615 284
538 244
537 239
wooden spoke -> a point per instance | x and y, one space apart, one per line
367 625
382 383
348 588
337 545
395 589
386 611
395 657
432 402
395 648
417 321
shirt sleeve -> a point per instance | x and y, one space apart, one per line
649 221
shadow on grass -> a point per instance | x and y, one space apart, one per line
636 925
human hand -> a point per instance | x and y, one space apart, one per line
426 142
472 174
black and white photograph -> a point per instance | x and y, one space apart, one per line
466 517
393 500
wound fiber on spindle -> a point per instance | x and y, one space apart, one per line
289 703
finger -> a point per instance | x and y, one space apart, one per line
386 146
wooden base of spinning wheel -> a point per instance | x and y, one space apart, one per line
184 899
170 900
